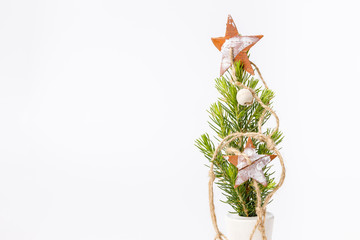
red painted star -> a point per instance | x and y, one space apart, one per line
253 170
239 44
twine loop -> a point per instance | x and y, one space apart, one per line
220 236
211 175
270 143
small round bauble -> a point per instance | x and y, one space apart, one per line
244 97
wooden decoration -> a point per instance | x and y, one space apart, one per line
240 45
252 170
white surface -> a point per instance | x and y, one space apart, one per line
101 101
240 228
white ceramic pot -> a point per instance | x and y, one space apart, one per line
240 228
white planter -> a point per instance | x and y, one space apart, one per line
240 228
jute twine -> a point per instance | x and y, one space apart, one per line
260 207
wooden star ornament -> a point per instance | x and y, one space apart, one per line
240 45
253 170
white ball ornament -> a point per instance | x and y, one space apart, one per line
244 97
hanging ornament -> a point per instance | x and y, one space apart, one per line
253 170
240 45
244 97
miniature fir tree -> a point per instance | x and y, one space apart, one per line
227 116
239 162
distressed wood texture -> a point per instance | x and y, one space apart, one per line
239 44
253 170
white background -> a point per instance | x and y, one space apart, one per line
101 102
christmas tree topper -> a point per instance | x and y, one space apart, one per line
234 47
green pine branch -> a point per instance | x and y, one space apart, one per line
227 117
